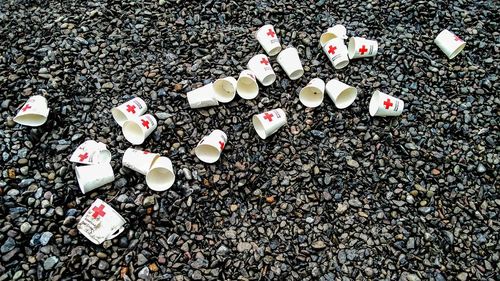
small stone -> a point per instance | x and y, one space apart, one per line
353 163
435 172
318 245
149 201
354 202
8 245
144 273
481 168
25 227
222 250
341 208
45 238
243 246
107 85
50 262
462 276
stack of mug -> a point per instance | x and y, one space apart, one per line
96 170
136 125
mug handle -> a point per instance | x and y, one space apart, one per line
116 233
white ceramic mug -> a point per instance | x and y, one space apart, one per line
91 152
313 93
210 147
101 222
268 39
139 160
161 176
261 67
247 86
449 43
91 177
341 94
269 122
137 129
128 110
202 97
34 112
336 51
225 89
384 105
290 62
362 48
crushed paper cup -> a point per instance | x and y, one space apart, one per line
313 93
261 67
210 147
202 97
449 43
34 112
269 122
161 176
101 222
128 110
225 89
91 177
341 94
337 31
362 48
384 105
247 86
268 39
139 160
136 130
290 62
91 152
336 51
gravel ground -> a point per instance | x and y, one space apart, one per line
334 195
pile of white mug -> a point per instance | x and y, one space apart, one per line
101 222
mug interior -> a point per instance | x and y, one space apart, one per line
160 178
247 88
311 96
374 103
133 132
346 97
118 115
207 153
30 119
259 127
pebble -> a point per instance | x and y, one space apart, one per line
244 246
50 262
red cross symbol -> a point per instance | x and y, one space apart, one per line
221 145
363 50
264 61
270 32
83 156
145 123
332 49
98 211
26 107
268 116
131 108
146 152
457 38
388 103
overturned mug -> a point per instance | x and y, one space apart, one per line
91 152
34 112
101 222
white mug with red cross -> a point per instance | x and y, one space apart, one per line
137 129
384 105
128 110
161 176
337 31
269 122
91 177
139 160
362 48
34 112
313 93
91 152
210 147
261 67
336 51
101 222
247 86
449 43
202 97
268 39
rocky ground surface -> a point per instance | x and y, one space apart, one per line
334 195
